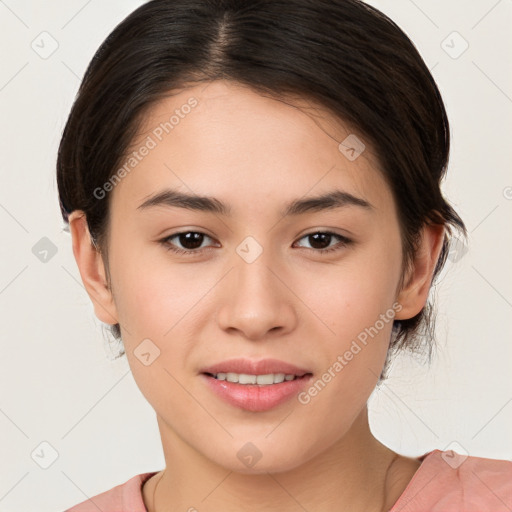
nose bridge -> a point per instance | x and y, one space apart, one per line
256 301
255 277
256 283
254 262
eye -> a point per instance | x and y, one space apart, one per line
191 240
323 239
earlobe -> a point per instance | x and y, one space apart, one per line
414 294
92 269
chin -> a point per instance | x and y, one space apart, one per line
249 460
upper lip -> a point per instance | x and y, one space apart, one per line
251 367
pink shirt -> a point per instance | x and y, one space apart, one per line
445 482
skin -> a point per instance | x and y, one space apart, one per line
257 154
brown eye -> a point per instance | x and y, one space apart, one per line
191 242
321 240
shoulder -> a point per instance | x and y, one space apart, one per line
447 481
122 498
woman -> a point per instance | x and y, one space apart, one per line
253 192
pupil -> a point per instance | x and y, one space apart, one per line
194 240
316 236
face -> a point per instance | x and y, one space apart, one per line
313 287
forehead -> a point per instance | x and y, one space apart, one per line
221 139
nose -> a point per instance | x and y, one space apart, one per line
256 300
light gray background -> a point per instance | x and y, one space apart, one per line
58 381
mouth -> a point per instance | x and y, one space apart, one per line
267 379
245 370
255 385
258 391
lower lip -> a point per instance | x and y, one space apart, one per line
254 397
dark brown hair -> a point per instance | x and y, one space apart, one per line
344 55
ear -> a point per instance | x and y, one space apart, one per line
414 294
92 269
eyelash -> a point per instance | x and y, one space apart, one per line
344 242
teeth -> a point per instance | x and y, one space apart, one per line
244 378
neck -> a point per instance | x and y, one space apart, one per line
353 474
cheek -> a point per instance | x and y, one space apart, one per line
152 294
162 303
355 301
157 308
350 297
360 318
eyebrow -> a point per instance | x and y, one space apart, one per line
328 201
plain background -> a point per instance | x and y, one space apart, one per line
58 380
